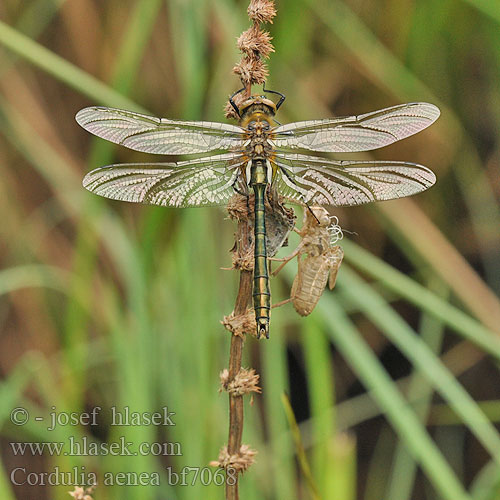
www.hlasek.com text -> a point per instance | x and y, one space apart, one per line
84 447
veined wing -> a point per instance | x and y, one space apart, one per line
357 133
194 183
158 135
319 181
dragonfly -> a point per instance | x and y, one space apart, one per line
258 156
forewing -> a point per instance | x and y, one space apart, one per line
158 135
319 181
357 133
192 183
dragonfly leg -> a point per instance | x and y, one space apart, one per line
282 303
285 260
278 259
239 191
233 104
282 96
280 267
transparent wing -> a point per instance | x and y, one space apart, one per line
357 133
319 181
193 183
158 135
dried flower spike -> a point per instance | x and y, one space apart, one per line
254 41
239 462
255 45
245 382
80 494
261 11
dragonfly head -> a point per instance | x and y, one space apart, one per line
257 103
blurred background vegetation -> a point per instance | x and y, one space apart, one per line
393 379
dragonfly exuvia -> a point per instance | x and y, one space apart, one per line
258 157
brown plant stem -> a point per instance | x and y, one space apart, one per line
236 352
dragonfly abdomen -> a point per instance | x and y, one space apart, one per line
261 292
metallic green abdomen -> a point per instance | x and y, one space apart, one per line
261 292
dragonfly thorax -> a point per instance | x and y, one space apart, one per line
258 131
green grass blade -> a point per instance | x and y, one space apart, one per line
486 7
404 468
401 335
33 21
37 15
486 484
341 480
32 275
322 397
135 38
357 37
62 70
376 478
188 28
373 376
5 485
301 453
418 295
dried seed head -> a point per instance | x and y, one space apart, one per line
241 324
251 71
80 494
243 262
261 11
255 42
229 111
224 378
240 462
246 381
77 493
238 205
